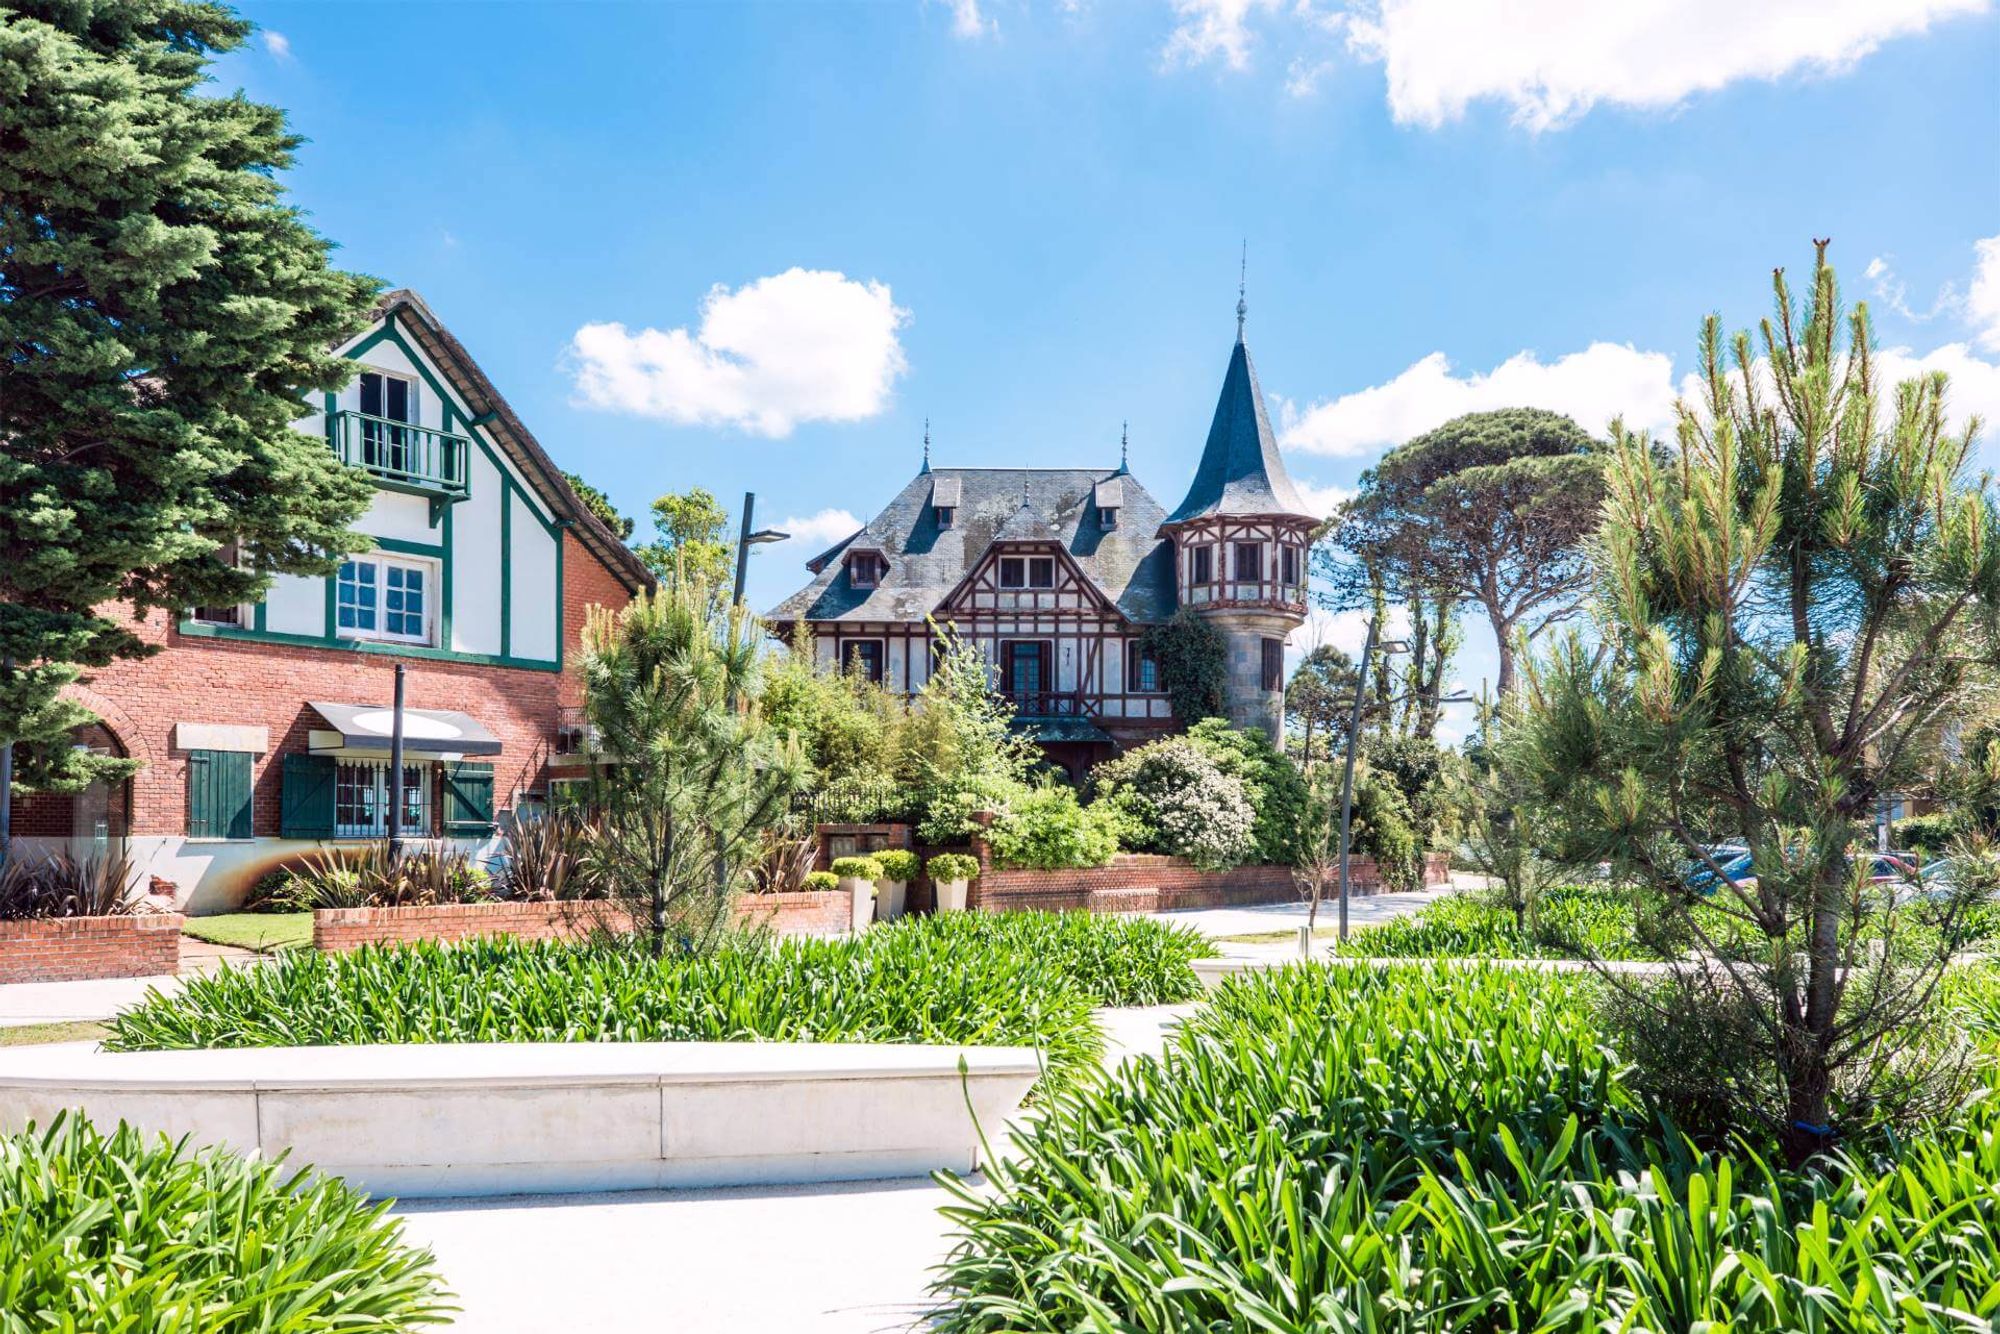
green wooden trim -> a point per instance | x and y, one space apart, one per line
445 640
562 595
396 546
196 630
330 623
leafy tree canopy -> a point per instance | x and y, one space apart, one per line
600 505
1492 508
164 311
691 533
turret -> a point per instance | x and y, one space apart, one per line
1240 540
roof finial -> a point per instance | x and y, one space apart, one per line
1124 446
927 446
1242 281
1024 491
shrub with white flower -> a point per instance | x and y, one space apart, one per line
1176 800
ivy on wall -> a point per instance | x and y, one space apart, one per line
1193 659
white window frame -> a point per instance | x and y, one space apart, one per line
413 384
1000 571
384 562
1034 564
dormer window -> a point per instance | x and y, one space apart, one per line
1027 572
1107 516
865 569
944 515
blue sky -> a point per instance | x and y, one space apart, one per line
1022 220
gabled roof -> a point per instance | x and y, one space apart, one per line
1131 566
1240 471
506 430
944 492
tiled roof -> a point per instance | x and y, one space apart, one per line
1130 564
1241 471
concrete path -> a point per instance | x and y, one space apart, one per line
23 1003
1362 910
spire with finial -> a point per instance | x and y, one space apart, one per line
1025 502
1242 282
927 447
1124 447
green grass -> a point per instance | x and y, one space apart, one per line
264 932
1418 1148
68 1030
125 1232
1022 979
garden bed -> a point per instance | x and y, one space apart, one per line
72 949
805 912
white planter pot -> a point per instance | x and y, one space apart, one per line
862 895
951 895
889 899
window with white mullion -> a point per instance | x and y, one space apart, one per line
361 800
385 597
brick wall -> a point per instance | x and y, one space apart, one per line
202 679
1136 882
806 913
70 949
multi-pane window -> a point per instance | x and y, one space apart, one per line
388 399
1027 572
1013 572
1042 572
380 597
1249 562
1274 664
1201 564
1024 667
1288 565
1142 672
863 657
361 799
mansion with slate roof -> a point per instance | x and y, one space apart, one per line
1056 573
264 728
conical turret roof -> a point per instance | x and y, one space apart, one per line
1241 471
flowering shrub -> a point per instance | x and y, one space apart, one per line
1172 797
1046 830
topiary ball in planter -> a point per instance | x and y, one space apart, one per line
899 868
950 871
858 876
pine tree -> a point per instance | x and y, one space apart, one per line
164 312
1792 601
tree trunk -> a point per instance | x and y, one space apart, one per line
1809 1084
1503 637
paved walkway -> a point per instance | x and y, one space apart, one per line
1262 919
24 1003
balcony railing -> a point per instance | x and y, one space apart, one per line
403 455
1051 703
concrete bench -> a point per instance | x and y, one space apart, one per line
503 1118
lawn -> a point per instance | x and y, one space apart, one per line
264 932
67 1030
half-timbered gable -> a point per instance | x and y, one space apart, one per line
1057 573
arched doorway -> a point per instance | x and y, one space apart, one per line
100 815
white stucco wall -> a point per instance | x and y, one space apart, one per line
475 572
535 608
296 605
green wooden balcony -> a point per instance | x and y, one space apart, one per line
403 456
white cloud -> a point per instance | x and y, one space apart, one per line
1552 60
1321 500
279 45
822 529
968 21
1982 298
803 345
1603 381
1974 389
1213 30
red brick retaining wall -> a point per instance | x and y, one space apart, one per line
1135 882
806 913
70 949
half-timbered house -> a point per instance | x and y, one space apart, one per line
1057 573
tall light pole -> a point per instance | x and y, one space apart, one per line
745 539
396 768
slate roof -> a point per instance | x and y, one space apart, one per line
1131 565
1241 471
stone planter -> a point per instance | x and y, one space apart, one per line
889 899
862 896
951 895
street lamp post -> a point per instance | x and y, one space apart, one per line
746 538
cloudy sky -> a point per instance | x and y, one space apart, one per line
754 247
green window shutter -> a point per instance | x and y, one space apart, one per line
468 798
306 806
218 794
